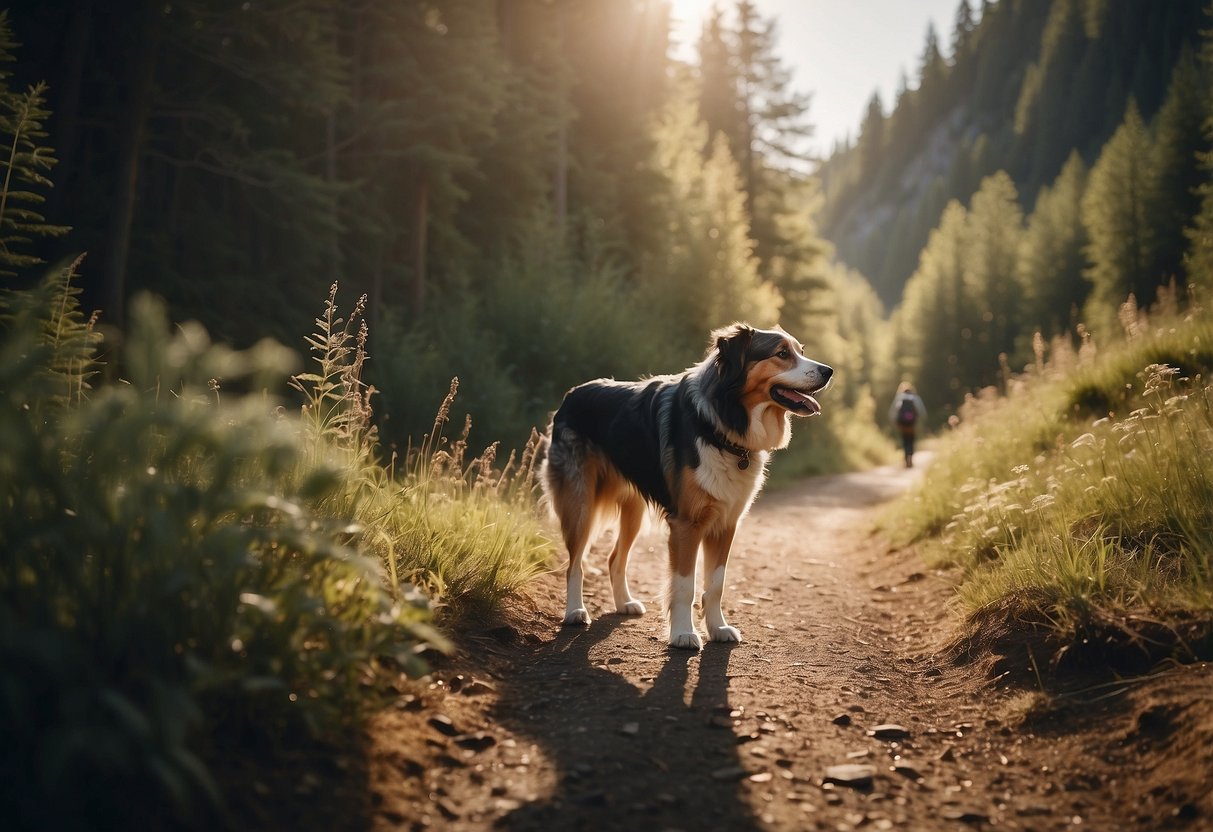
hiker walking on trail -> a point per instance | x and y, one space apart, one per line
906 414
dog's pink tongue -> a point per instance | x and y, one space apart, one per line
809 401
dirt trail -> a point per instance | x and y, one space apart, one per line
606 728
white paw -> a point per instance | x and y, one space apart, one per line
726 633
632 607
686 641
575 617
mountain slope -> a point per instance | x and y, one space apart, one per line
1031 82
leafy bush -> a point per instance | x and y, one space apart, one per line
167 572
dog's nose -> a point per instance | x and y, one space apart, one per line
826 372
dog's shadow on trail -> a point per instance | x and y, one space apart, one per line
628 754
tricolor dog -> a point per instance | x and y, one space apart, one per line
694 445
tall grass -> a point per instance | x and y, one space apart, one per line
1087 488
456 524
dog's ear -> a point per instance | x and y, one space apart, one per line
730 344
728 349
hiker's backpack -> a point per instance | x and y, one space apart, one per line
907 413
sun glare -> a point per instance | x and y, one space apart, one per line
686 24
690 13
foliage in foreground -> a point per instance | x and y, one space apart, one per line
1084 494
188 568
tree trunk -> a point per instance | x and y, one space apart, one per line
130 148
560 177
330 176
375 305
421 205
67 139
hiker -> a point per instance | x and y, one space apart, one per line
906 414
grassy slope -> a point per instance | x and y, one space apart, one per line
1080 502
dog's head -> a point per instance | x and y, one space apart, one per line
760 377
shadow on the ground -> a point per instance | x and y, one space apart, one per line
627 756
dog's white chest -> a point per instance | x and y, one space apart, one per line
719 475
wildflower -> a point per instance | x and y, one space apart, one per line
1086 440
1042 501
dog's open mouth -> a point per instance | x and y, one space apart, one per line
796 401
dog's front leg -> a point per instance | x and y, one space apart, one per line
716 548
684 552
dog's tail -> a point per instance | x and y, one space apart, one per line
560 472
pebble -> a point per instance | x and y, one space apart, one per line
478 741
443 725
965 816
478 687
1033 811
889 731
842 719
855 775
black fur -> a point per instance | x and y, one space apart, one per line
648 429
724 390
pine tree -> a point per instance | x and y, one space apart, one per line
431 80
1051 257
932 335
705 274
773 116
769 122
872 138
962 31
1198 261
932 72
1178 142
993 232
219 183
1115 209
523 170
718 83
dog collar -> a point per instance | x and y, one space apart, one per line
742 454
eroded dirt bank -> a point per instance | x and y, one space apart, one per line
548 728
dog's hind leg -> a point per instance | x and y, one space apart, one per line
569 476
631 517
716 548
577 526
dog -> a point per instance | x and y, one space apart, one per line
692 445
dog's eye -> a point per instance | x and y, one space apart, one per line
784 354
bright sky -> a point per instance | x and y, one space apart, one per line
841 51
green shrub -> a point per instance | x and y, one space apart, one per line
166 573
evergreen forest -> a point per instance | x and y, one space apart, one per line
521 187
